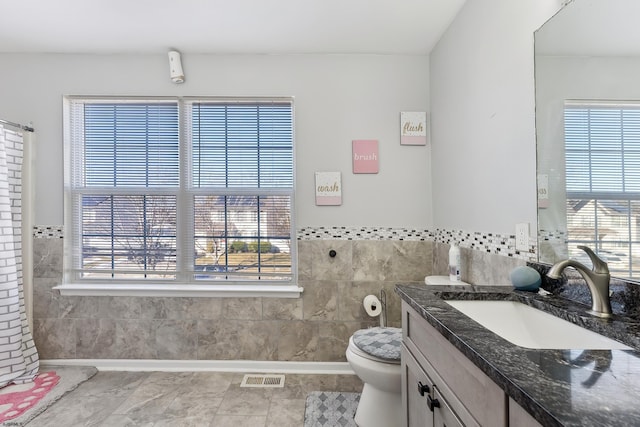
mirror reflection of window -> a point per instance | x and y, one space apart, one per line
602 169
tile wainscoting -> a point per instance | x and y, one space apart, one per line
315 327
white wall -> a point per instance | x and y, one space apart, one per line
337 98
483 123
479 80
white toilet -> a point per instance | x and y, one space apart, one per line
374 355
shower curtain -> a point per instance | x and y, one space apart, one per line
19 360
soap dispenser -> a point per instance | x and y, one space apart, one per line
454 263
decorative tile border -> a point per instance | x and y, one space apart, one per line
363 233
504 245
553 235
47 232
499 244
486 242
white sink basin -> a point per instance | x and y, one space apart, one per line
529 327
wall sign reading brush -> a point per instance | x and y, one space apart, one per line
365 156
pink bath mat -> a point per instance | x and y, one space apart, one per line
15 399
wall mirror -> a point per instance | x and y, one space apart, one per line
587 75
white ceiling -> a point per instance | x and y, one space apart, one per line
225 26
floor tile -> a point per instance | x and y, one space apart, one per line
187 399
245 401
286 413
239 420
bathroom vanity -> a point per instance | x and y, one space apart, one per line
457 372
437 379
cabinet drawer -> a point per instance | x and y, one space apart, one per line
461 382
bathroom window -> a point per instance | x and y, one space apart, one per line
179 192
602 159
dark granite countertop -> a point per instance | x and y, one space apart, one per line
557 387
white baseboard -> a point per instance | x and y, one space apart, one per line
246 366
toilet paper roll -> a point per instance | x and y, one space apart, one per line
372 305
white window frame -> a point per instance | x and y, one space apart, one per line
72 285
613 146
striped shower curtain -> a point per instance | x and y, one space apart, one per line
19 361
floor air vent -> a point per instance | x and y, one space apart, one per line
253 380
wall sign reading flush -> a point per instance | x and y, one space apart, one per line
365 156
543 191
413 128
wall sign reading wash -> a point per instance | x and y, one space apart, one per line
328 189
365 156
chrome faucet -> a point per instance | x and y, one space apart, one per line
597 279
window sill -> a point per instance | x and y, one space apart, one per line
221 291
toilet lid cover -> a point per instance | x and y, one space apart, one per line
383 343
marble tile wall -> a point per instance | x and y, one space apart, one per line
479 267
315 327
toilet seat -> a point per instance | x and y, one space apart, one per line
356 351
378 344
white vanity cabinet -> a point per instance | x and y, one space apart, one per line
440 386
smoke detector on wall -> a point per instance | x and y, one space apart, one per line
175 67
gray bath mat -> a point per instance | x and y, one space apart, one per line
70 378
330 409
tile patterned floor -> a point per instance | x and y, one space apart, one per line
181 399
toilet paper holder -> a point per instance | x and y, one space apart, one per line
383 315
377 307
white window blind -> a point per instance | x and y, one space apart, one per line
602 149
180 190
602 160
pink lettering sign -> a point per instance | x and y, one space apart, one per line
365 156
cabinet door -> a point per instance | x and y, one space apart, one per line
519 417
416 387
443 415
